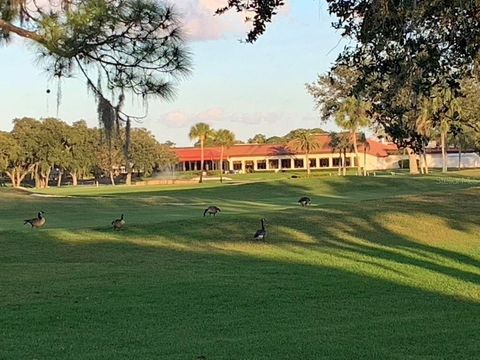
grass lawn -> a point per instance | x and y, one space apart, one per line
384 267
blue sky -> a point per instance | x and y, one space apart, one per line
248 89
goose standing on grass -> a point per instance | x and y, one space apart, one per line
37 222
211 210
305 200
261 234
118 224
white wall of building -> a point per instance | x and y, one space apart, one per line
469 160
390 162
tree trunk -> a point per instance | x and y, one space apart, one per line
344 170
201 161
37 176
444 152
427 171
11 175
128 179
59 182
47 176
425 163
221 165
112 179
412 157
41 177
307 163
20 173
365 162
74 178
340 165
459 156
355 149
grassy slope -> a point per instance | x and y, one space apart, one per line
376 268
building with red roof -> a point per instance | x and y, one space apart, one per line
268 157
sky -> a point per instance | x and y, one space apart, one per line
246 88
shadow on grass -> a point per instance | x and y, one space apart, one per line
346 278
121 300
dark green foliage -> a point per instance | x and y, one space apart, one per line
406 50
257 139
40 147
402 51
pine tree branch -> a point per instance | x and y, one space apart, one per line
6 26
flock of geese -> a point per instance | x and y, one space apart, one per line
119 224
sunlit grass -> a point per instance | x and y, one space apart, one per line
375 268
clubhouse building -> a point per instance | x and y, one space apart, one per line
243 158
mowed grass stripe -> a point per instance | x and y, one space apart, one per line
385 273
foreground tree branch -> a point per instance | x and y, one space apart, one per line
122 46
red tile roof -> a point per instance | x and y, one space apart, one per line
246 150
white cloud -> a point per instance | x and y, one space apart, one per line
215 116
211 115
176 119
257 118
202 24
181 119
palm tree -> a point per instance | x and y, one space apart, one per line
447 108
200 131
366 145
351 116
425 128
334 144
304 141
341 142
223 138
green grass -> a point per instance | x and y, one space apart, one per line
377 268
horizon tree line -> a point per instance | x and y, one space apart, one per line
35 149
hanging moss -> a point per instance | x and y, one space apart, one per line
127 137
59 93
107 117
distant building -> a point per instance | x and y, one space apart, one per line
250 157
247 157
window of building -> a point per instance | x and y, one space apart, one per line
273 164
261 164
324 162
348 162
313 163
336 162
286 164
237 165
298 163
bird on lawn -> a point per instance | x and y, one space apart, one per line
37 222
118 224
211 210
305 200
261 234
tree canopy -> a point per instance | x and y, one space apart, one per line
50 146
119 46
401 50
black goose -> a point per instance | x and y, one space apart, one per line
261 234
37 222
118 224
211 210
305 200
